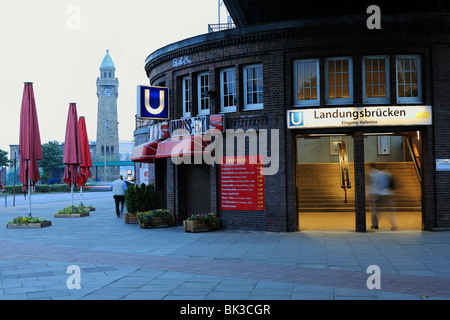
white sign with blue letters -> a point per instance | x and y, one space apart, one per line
153 103
359 117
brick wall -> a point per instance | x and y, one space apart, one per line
276 50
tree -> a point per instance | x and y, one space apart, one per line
52 158
3 158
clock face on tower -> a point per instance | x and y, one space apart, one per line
107 92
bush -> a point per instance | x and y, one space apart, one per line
146 217
41 188
26 220
140 198
131 199
209 219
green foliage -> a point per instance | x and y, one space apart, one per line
3 158
42 188
146 216
131 199
209 219
75 209
140 198
26 220
52 158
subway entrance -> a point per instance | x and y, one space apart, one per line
325 185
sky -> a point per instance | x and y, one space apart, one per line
59 46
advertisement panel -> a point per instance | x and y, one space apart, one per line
242 183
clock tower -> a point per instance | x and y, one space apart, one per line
107 148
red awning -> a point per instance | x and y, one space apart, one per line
145 152
187 145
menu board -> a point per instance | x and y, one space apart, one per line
242 183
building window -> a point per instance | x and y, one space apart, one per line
376 87
409 84
253 87
228 90
186 97
307 82
339 81
203 97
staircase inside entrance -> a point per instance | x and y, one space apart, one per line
319 187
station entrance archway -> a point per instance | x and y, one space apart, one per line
325 180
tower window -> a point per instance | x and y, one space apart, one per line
109 74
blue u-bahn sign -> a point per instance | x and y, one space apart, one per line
153 103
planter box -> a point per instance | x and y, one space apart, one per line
29 226
130 217
195 226
156 222
71 215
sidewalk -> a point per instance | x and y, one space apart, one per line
123 261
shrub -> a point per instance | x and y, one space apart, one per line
146 216
209 219
75 209
140 198
26 220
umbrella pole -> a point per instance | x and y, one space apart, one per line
71 192
81 196
29 197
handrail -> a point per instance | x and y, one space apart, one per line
415 160
343 166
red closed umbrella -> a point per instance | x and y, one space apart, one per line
30 149
86 163
72 148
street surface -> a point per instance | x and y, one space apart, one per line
122 261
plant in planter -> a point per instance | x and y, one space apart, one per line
28 222
155 218
72 212
201 222
85 208
139 198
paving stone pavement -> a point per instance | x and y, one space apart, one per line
119 261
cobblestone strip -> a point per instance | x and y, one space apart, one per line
421 286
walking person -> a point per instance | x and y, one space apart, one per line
119 187
381 196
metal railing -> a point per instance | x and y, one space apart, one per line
140 122
415 156
220 27
344 168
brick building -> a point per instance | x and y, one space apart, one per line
328 96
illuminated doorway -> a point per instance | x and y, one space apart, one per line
400 155
325 183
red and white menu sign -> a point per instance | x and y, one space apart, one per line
242 183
